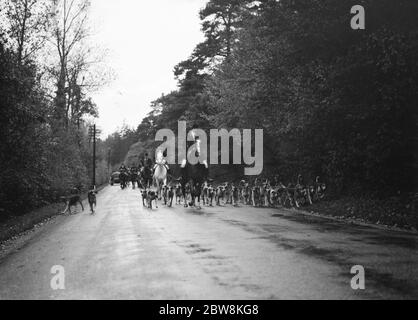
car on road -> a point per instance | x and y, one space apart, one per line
114 178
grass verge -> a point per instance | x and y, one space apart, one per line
17 225
391 212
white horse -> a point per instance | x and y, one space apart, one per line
160 173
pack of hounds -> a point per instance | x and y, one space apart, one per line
257 193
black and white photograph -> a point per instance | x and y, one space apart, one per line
207 156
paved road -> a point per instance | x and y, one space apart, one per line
128 252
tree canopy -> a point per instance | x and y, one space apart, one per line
333 101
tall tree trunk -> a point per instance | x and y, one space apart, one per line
21 41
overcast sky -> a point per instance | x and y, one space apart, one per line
145 39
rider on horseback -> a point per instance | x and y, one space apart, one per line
146 171
146 162
161 161
134 175
124 175
123 168
188 145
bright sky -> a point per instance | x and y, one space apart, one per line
145 39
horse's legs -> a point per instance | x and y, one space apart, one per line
157 182
193 194
192 198
198 201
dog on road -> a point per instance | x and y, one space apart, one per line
72 201
92 198
148 197
170 196
144 194
179 194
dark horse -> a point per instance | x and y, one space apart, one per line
195 176
146 175
124 178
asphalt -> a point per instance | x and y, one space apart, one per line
125 251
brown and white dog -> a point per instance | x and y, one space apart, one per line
179 194
205 194
72 201
148 197
220 194
164 191
91 196
235 195
170 196
144 194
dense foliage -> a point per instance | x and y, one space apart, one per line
45 149
37 162
334 102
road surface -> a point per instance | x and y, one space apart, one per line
125 251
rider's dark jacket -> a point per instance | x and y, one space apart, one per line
146 162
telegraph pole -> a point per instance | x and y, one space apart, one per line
108 162
94 155
93 132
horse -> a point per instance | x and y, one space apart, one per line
134 177
160 174
195 176
124 177
146 175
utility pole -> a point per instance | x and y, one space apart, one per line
108 161
94 155
93 132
